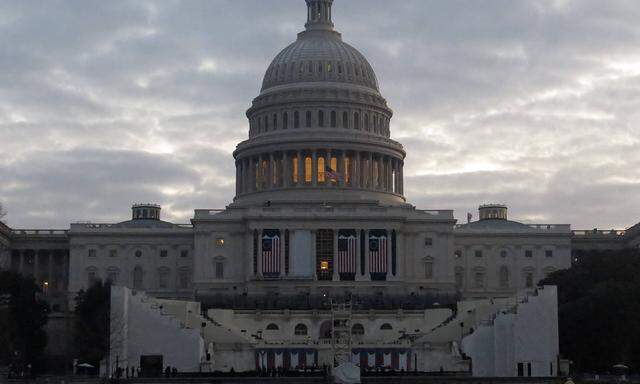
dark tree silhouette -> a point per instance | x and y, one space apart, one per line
22 318
599 310
91 330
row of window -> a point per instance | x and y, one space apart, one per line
138 253
503 253
138 276
377 123
288 71
504 277
303 330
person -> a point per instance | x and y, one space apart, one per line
174 372
167 371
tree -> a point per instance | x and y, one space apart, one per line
599 310
3 213
23 316
91 330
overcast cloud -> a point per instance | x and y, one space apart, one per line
531 103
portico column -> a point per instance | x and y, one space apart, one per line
327 164
336 275
342 169
286 172
389 176
370 184
272 171
260 253
314 168
300 169
367 267
283 251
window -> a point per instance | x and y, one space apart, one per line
356 120
308 122
457 254
285 121
219 270
272 327
366 122
428 270
504 276
296 119
163 253
275 122
459 275
478 253
92 253
479 279
321 170
321 119
345 120
92 277
386 327
138 253
184 253
334 119
528 279
163 278
357 329
184 278
220 242
113 253
308 170
548 253
528 253
428 241
112 275
503 253
138 278
300 330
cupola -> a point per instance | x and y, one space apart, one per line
493 212
145 211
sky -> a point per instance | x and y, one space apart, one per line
535 104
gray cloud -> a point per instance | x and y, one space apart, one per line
535 104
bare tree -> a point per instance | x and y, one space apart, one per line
3 213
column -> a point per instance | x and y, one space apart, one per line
367 267
394 167
327 164
258 172
272 171
260 253
286 170
336 275
314 168
237 178
342 170
300 169
313 255
370 170
389 188
401 171
282 252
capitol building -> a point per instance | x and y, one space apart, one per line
319 236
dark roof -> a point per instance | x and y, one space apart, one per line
145 223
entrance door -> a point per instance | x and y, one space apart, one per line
324 254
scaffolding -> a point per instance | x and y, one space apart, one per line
341 332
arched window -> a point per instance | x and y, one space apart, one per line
310 67
356 120
275 121
92 276
266 123
345 120
357 329
138 276
138 253
163 277
285 120
504 276
428 267
272 327
321 170
320 67
503 253
301 330
527 277
479 278
296 119
321 119
386 327
334 119
366 122
308 122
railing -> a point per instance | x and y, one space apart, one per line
57 232
597 232
550 226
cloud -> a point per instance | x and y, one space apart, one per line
534 104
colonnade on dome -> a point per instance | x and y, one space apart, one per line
319 168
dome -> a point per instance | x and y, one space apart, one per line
319 56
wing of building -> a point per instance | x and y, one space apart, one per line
319 217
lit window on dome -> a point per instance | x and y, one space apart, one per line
308 164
